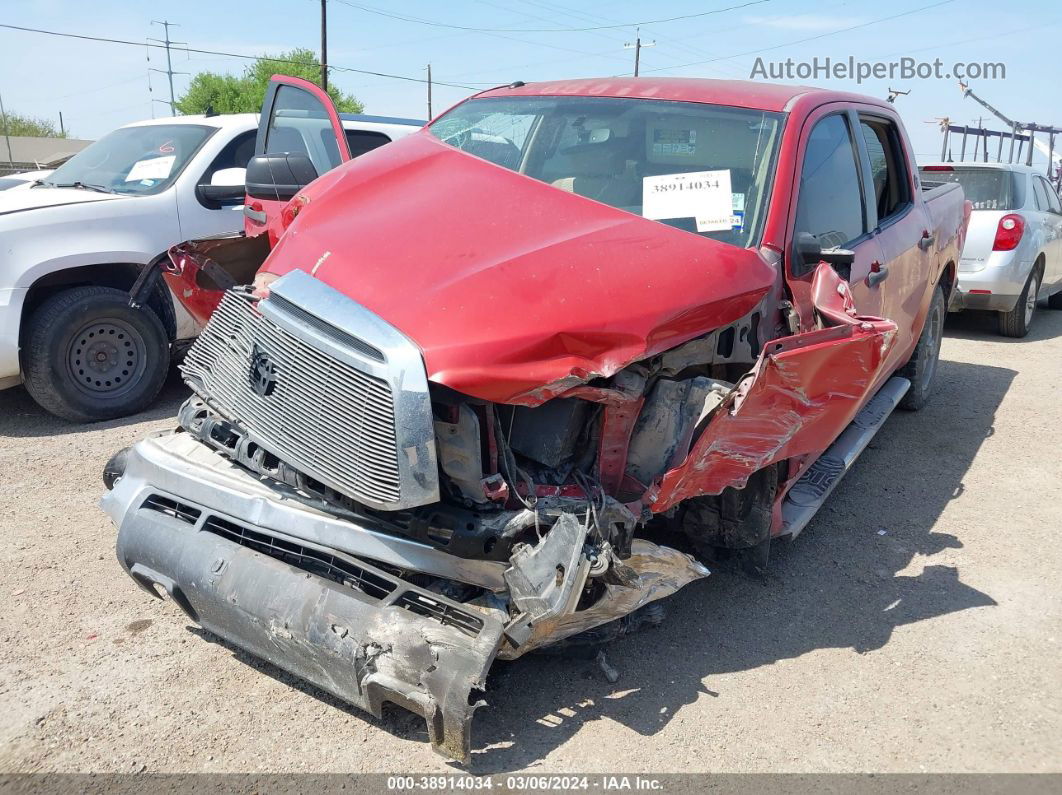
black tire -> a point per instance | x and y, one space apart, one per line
1055 301
734 527
89 356
1016 322
921 368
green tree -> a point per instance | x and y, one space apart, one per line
25 125
244 94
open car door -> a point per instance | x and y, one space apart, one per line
300 137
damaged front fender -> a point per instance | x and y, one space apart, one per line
802 392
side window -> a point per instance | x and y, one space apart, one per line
300 125
1042 204
235 155
1052 197
362 141
887 167
830 199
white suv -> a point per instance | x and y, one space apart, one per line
75 242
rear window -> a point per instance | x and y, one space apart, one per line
987 188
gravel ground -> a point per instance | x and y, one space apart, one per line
914 626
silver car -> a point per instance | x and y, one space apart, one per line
1013 252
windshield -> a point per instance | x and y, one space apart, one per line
702 168
133 160
987 188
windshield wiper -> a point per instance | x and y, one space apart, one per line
82 185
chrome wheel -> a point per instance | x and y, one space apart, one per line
106 358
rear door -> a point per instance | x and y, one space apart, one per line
298 118
900 225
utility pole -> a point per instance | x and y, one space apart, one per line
7 135
62 129
324 44
637 47
429 92
169 63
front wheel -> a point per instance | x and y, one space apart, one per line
921 369
89 356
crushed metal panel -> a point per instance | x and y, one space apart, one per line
659 570
546 579
801 394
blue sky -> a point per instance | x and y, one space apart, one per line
100 86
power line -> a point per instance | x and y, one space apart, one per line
809 38
437 24
230 55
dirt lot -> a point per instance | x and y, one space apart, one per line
915 625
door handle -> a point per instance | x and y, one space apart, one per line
926 241
256 215
878 274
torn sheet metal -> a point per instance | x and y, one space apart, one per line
803 391
199 271
658 572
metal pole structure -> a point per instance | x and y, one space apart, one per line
429 92
637 47
962 152
169 62
944 143
62 129
1013 132
7 135
324 45
1032 135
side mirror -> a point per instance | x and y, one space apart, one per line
279 177
809 253
227 185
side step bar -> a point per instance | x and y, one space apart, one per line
809 493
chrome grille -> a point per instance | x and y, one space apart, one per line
322 415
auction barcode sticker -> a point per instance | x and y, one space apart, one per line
702 195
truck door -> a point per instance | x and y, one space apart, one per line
902 228
831 206
300 136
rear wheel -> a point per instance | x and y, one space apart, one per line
1055 301
89 356
1017 321
921 369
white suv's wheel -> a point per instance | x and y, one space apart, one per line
89 356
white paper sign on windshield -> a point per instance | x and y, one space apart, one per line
702 195
152 168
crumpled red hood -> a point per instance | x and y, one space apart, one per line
513 289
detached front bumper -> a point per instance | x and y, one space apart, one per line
370 639
320 597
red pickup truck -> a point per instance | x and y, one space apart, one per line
483 365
